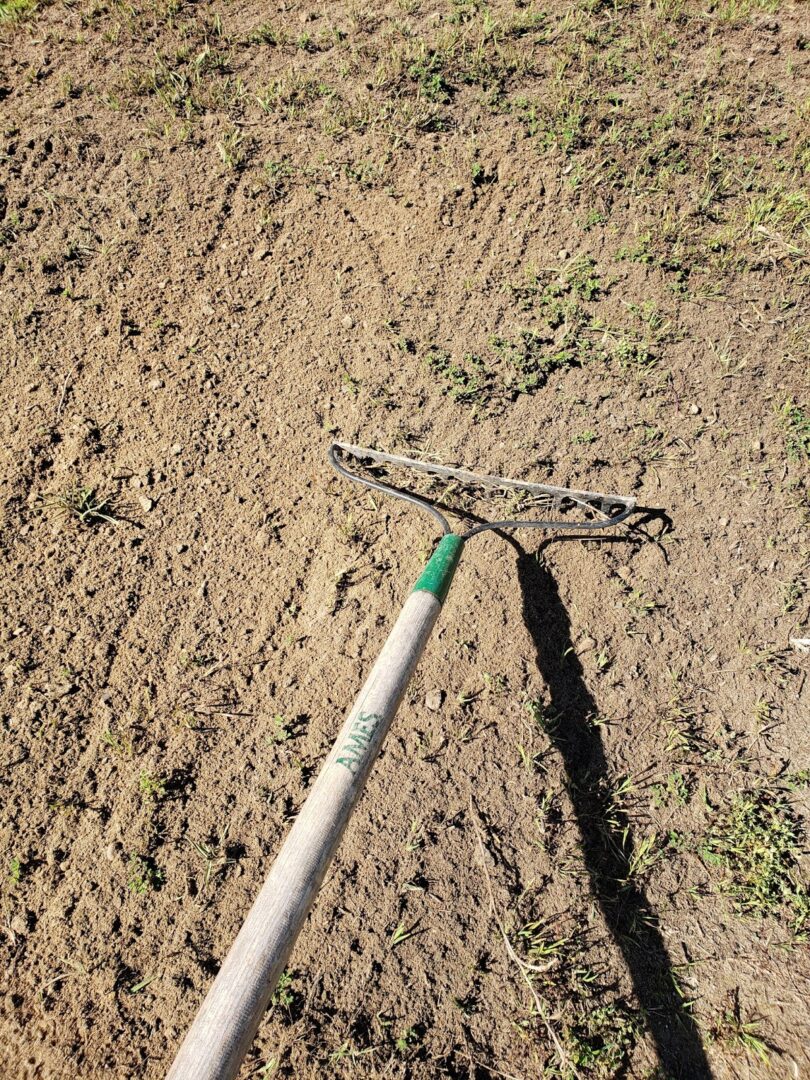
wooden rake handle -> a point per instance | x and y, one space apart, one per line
226 1023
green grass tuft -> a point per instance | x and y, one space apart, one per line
79 502
600 1040
796 424
757 841
13 10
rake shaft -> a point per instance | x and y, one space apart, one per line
227 1021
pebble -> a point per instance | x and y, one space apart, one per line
434 699
145 503
259 254
176 449
587 644
563 253
19 925
347 322
694 410
156 384
625 573
262 538
111 850
181 548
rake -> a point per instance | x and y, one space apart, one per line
226 1023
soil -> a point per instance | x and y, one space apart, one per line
219 252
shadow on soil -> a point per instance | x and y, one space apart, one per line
607 839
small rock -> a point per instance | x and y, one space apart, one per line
19 926
260 253
563 253
723 523
347 322
587 644
145 503
625 573
106 696
446 220
111 850
156 384
434 699
694 410
202 591
176 449
262 538
181 548
757 444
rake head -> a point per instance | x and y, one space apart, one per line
473 497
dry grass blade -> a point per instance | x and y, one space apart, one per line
525 969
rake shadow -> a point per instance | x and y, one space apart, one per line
605 844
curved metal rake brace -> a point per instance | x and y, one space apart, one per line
226 1023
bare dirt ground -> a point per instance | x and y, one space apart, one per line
564 242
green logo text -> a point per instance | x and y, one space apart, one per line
360 735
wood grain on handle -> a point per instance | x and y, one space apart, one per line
228 1018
